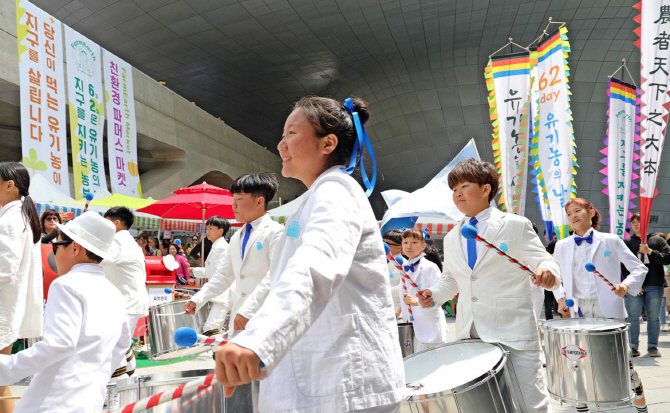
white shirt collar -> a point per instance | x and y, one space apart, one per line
586 234
8 206
481 217
417 258
94 269
255 223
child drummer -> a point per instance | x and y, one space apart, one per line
495 299
593 298
86 331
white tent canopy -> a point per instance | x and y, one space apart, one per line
433 201
280 213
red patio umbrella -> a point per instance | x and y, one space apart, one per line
195 202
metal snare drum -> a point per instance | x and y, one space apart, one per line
406 336
211 399
588 361
164 320
462 377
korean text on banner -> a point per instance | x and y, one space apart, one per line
86 108
508 83
555 142
622 121
654 42
43 134
121 126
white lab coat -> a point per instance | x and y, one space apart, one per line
247 273
21 296
126 269
327 331
609 266
430 324
86 335
496 295
215 259
394 279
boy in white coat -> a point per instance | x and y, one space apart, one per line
593 298
247 260
126 269
430 324
495 302
86 331
217 228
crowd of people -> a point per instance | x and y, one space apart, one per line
314 303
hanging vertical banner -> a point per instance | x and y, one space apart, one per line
554 145
86 109
121 127
534 131
654 44
622 133
508 83
43 133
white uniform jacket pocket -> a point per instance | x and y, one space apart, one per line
327 360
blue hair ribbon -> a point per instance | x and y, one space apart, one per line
360 144
426 234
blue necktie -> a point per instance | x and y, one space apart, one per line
589 239
247 231
472 247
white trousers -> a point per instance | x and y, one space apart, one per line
216 317
419 346
528 368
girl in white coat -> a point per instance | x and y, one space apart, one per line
326 331
592 296
430 325
21 294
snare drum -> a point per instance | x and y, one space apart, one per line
164 320
462 377
588 361
137 387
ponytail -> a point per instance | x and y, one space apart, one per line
14 171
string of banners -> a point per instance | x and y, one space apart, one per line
43 107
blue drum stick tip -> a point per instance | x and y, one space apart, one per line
400 260
590 267
469 232
168 290
387 248
570 302
185 337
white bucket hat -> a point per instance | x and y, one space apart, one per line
92 232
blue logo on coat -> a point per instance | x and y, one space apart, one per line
293 230
607 253
503 247
259 246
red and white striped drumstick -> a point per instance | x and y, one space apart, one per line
89 198
177 294
191 400
184 338
470 232
168 395
590 267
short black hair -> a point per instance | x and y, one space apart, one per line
394 235
634 217
121 213
220 223
264 184
91 256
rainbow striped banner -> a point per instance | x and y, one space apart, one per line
508 82
553 147
623 117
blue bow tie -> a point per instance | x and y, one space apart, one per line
589 239
411 267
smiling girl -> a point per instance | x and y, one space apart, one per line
326 331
